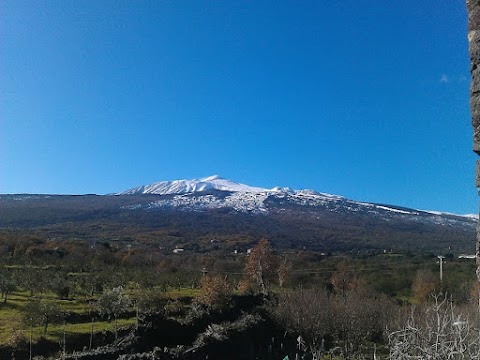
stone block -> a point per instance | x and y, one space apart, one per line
475 87
474 47
473 8
477 175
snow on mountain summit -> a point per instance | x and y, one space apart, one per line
194 195
216 182
192 186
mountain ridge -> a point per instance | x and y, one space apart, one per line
190 213
252 195
184 186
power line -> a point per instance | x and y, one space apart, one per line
383 268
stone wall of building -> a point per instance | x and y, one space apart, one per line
473 8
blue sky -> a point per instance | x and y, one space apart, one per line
365 99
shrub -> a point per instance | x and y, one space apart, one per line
324 320
215 292
436 332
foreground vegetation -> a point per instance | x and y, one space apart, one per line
60 297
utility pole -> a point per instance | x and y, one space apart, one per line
64 339
31 328
440 258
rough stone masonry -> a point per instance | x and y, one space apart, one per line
473 8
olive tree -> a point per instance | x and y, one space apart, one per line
113 302
40 312
7 284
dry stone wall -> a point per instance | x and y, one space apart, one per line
473 8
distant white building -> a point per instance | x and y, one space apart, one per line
465 256
178 251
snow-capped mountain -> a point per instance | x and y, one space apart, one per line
196 211
215 192
214 182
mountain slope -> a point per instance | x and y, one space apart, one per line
215 192
190 213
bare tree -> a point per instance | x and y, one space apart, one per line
283 272
260 266
436 332
325 321
424 285
215 291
